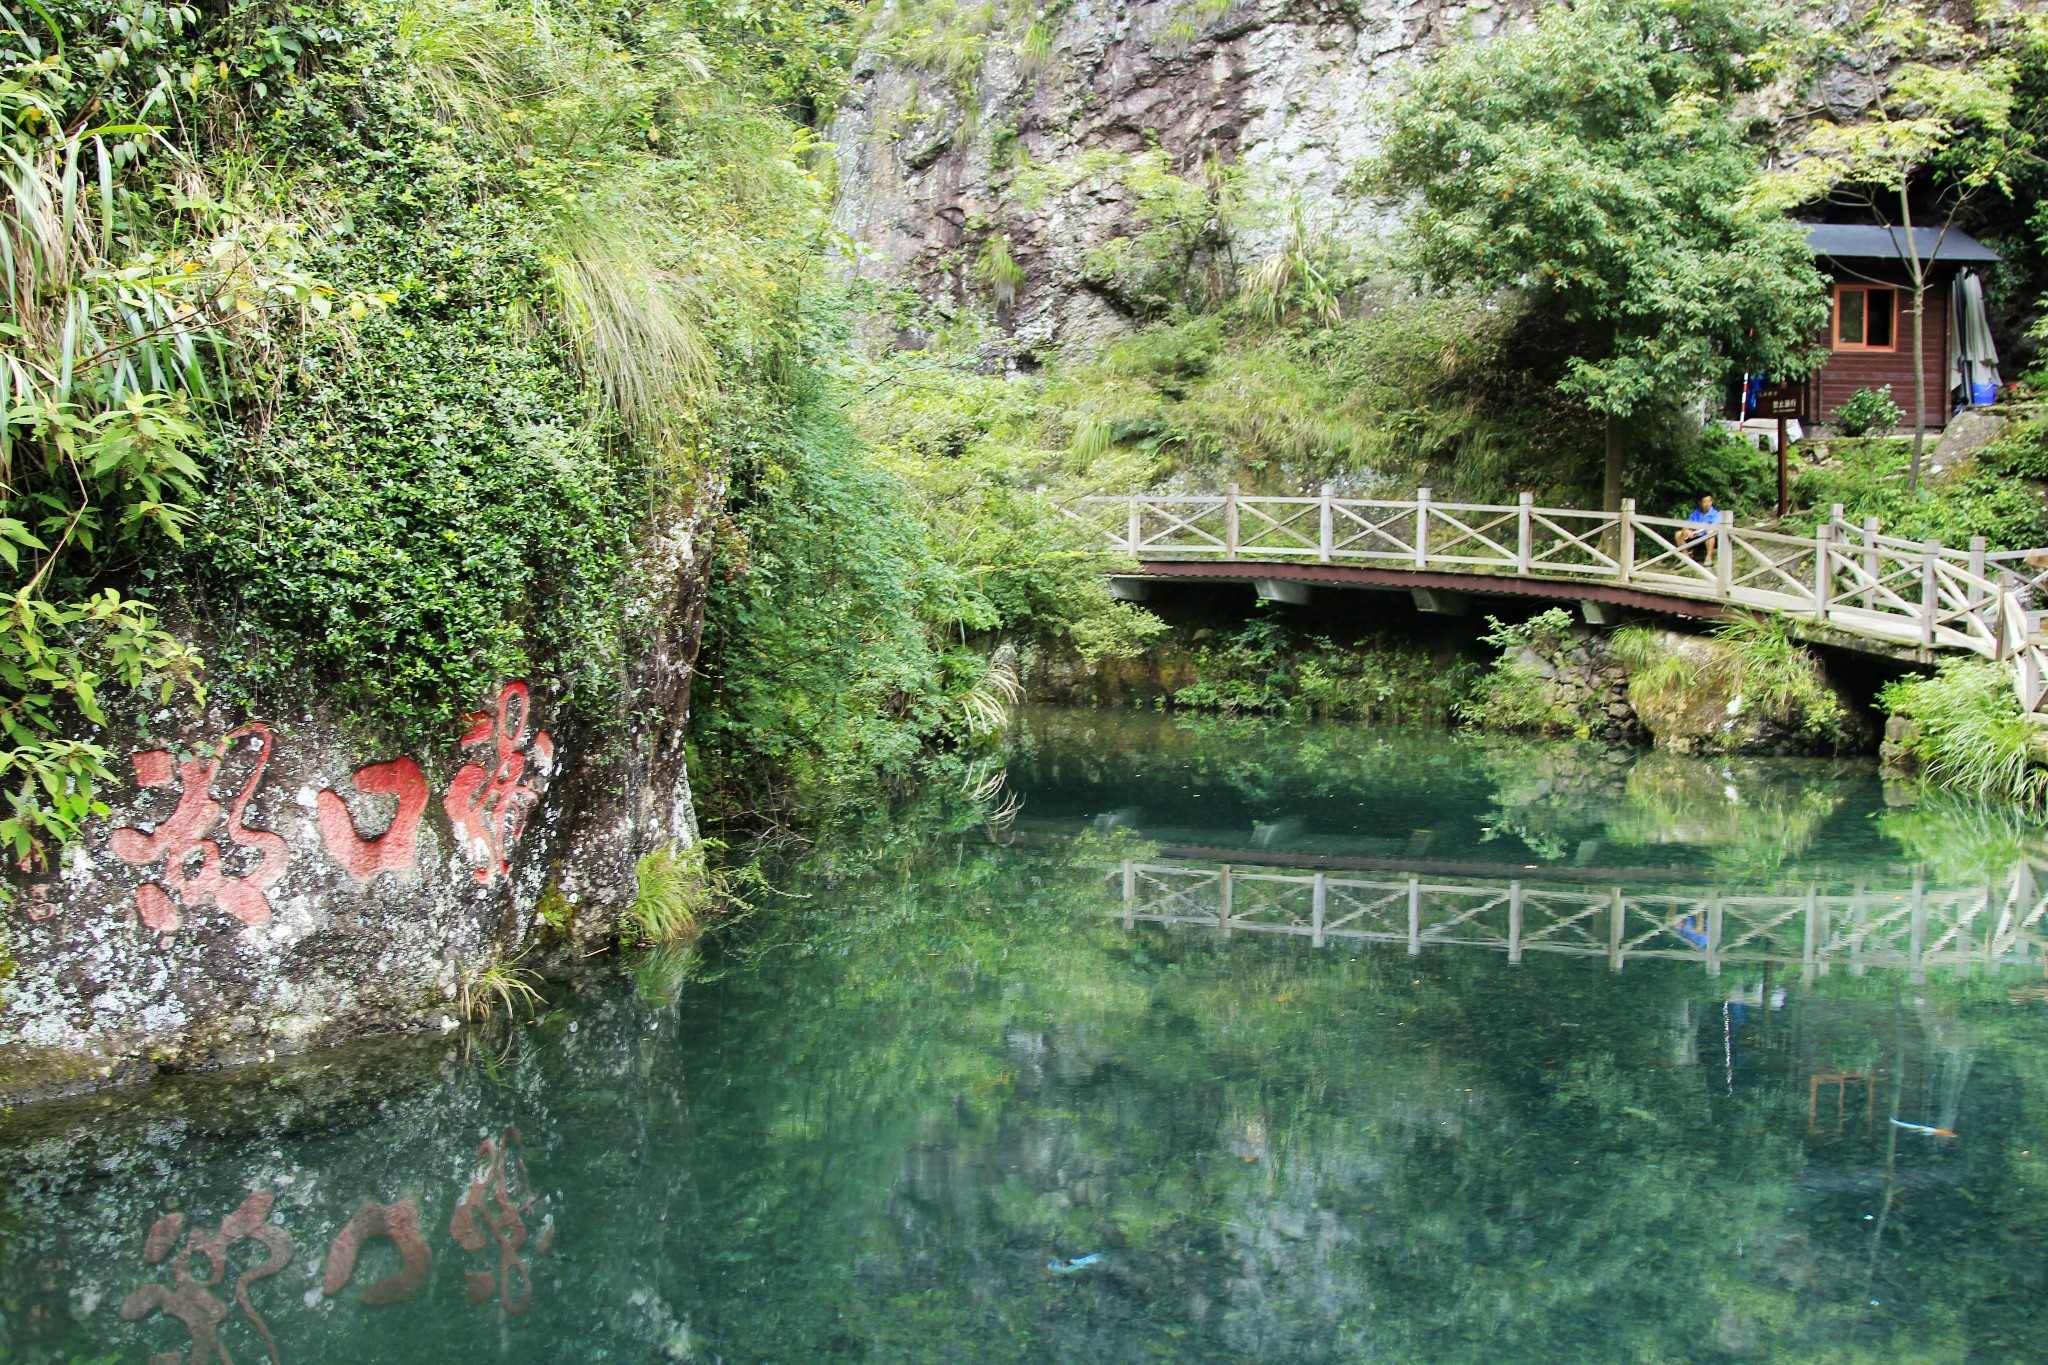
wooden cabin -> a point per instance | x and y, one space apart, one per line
1869 334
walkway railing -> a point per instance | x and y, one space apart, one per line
1851 578
1911 928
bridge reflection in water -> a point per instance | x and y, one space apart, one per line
1912 928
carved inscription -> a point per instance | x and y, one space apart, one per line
488 805
178 841
205 853
397 849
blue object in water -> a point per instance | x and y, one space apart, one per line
1078 1263
1982 394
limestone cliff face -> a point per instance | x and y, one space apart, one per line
1036 143
266 884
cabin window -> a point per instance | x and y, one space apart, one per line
1866 317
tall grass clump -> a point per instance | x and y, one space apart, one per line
501 983
1971 733
673 892
999 270
1756 661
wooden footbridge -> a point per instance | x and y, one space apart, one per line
1910 927
1913 927
1853 582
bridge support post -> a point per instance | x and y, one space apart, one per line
1230 521
1130 893
1930 592
1614 932
1514 921
1724 559
1870 561
1414 916
1133 531
1625 552
1322 903
1326 528
1823 570
1525 534
1422 528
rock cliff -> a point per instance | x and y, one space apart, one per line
266 884
1009 166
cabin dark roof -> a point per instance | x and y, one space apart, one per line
1868 242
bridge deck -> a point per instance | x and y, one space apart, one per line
1845 579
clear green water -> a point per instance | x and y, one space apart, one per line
866 1128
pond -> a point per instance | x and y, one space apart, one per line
1172 1040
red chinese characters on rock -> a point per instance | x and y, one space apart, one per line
397 849
488 806
187 1299
494 1211
401 1223
178 840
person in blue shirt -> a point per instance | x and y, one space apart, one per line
1696 537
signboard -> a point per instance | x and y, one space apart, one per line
1781 400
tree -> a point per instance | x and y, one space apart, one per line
1936 134
1592 163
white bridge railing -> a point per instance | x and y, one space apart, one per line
1851 578
1910 928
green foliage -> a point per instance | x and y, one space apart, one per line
672 893
1267 668
2021 450
1972 735
999 271
483 990
57 661
1869 412
1754 660
1985 497
1592 162
820 668
1304 277
1514 695
1742 477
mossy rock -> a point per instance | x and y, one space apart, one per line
1702 694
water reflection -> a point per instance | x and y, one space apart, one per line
867 1130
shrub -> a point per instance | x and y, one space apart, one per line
672 890
2020 452
1515 694
1972 734
1742 478
1869 412
1757 662
1264 668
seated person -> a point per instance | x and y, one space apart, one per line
1696 537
